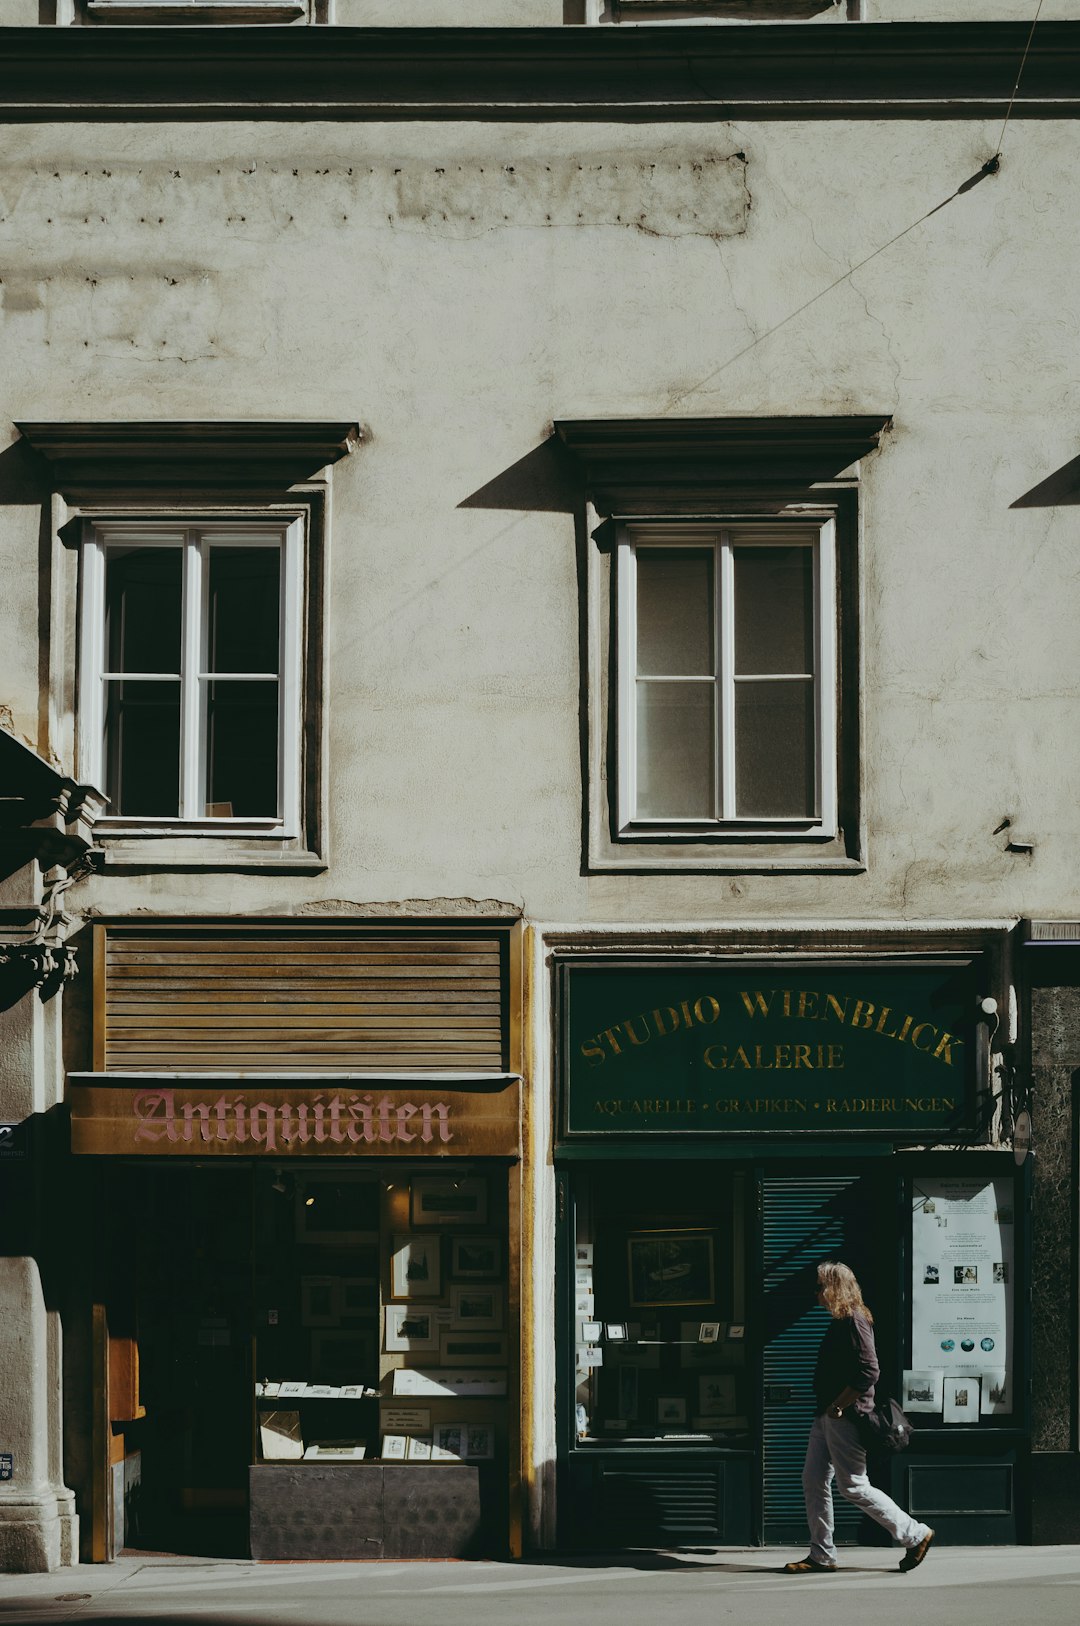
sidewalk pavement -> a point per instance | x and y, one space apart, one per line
960 1586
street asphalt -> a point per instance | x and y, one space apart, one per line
956 1586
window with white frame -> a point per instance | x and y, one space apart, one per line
726 680
190 673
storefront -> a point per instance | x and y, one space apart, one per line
305 1301
724 1125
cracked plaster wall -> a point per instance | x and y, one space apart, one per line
409 276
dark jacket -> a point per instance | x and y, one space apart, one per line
847 1359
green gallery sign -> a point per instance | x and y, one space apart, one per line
885 1048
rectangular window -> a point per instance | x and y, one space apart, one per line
189 700
726 680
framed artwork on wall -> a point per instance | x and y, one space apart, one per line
439 1199
671 1267
477 1307
415 1267
476 1258
337 1211
409 1329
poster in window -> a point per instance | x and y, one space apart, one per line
962 1278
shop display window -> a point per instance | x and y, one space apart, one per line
381 1316
659 1307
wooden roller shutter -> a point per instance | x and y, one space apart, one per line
271 999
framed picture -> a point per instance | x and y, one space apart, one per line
439 1199
451 1442
394 1447
337 1211
961 1403
693 1351
479 1441
716 1394
923 1391
472 1348
996 1393
583 1253
336 1451
344 1357
408 1329
479 1307
671 1411
671 1267
708 1332
476 1258
418 1448
319 1301
415 1267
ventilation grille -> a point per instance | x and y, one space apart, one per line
674 1503
320 1001
803 1222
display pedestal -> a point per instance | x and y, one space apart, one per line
365 1510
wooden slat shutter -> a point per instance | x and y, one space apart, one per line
273 1000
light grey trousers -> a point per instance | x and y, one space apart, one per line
833 1453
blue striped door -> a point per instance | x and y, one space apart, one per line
803 1222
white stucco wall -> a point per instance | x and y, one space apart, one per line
400 275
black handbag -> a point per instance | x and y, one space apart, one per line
886 1428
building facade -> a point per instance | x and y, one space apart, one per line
538 693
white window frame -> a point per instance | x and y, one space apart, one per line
195 539
820 537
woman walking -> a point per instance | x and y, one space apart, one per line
844 1378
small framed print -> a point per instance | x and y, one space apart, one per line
347 1357
415 1267
583 1253
615 1332
444 1200
708 1332
462 1348
671 1267
394 1447
479 1307
336 1451
590 1332
923 1391
476 1258
996 1393
450 1443
671 1411
736 1332
961 1403
480 1442
409 1328
716 1394
319 1301
418 1448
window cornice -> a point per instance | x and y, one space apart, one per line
93 461
688 465
667 72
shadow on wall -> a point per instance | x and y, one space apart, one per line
24 476
1059 490
544 481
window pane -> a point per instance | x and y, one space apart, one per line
675 612
244 588
676 734
142 749
774 750
242 750
142 609
774 610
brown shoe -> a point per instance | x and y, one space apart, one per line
915 1555
808 1566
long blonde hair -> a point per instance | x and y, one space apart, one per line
841 1292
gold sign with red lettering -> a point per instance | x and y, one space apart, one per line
194 1117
